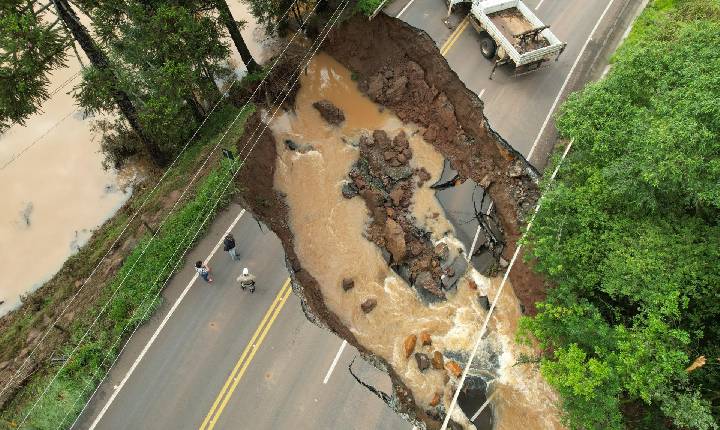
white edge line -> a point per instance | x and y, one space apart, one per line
404 9
335 361
482 408
472 247
539 4
481 93
567 79
477 232
160 327
481 333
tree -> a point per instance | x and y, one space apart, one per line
171 54
234 30
630 233
100 61
31 46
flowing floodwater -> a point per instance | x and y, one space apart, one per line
330 242
53 186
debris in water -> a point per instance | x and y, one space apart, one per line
454 368
409 345
423 362
329 112
26 213
347 284
368 305
425 339
438 361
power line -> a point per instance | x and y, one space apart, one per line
231 180
483 329
132 218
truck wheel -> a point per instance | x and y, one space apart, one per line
488 47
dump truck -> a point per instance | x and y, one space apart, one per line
511 34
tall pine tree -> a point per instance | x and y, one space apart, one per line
32 44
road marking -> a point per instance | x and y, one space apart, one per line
404 9
493 305
477 232
481 93
454 36
567 79
160 327
536 8
247 355
484 405
334 363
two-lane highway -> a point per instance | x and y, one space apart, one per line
225 359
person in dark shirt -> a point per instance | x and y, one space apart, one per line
229 246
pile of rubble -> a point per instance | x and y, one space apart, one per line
385 181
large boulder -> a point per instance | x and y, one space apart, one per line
438 361
423 362
454 368
330 113
425 281
409 345
368 305
395 240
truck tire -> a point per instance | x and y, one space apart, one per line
488 47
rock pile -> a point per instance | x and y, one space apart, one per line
384 179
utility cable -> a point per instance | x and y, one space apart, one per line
142 206
483 329
229 182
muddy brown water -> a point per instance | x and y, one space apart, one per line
56 191
329 241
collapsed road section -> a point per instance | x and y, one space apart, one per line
348 177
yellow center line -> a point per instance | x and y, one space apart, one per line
276 305
247 362
454 37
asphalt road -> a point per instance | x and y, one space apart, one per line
226 359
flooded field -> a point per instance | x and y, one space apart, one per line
55 190
331 240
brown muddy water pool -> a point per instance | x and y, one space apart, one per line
331 240
55 191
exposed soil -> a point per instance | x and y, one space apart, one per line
256 192
401 68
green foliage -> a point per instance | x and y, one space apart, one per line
166 57
630 233
133 293
367 7
30 48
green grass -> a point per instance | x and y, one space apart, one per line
367 7
133 293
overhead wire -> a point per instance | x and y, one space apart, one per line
483 328
132 218
217 201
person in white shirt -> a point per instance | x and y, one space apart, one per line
247 280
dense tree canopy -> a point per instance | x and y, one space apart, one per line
32 44
630 233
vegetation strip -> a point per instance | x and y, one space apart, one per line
630 234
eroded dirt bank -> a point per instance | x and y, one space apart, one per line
400 67
309 181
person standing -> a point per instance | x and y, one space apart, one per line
247 280
229 246
203 270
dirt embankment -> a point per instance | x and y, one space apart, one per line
256 192
401 68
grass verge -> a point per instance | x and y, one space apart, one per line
126 297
